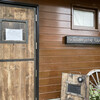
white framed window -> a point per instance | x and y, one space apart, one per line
84 18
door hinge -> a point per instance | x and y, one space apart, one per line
36 98
36 73
36 17
36 45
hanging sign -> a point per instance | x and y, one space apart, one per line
74 87
82 40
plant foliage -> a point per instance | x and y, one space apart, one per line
94 93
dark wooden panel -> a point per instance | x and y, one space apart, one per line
54 16
52 38
68 59
67 52
51 88
57 44
59 38
58 57
50 30
52 45
53 2
56 24
77 71
48 81
85 3
55 80
66 66
49 74
56 9
51 95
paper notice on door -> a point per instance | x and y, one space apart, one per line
14 34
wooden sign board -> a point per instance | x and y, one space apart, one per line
82 40
75 87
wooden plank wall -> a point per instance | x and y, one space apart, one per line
56 57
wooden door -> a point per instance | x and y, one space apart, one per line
17 57
75 87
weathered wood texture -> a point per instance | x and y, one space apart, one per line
73 80
56 57
18 51
17 78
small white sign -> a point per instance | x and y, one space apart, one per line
14 34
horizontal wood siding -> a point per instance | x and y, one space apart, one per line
57 57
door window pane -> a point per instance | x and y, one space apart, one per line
14 35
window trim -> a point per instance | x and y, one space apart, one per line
85 8
12 41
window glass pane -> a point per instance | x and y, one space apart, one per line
14 34
84 18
